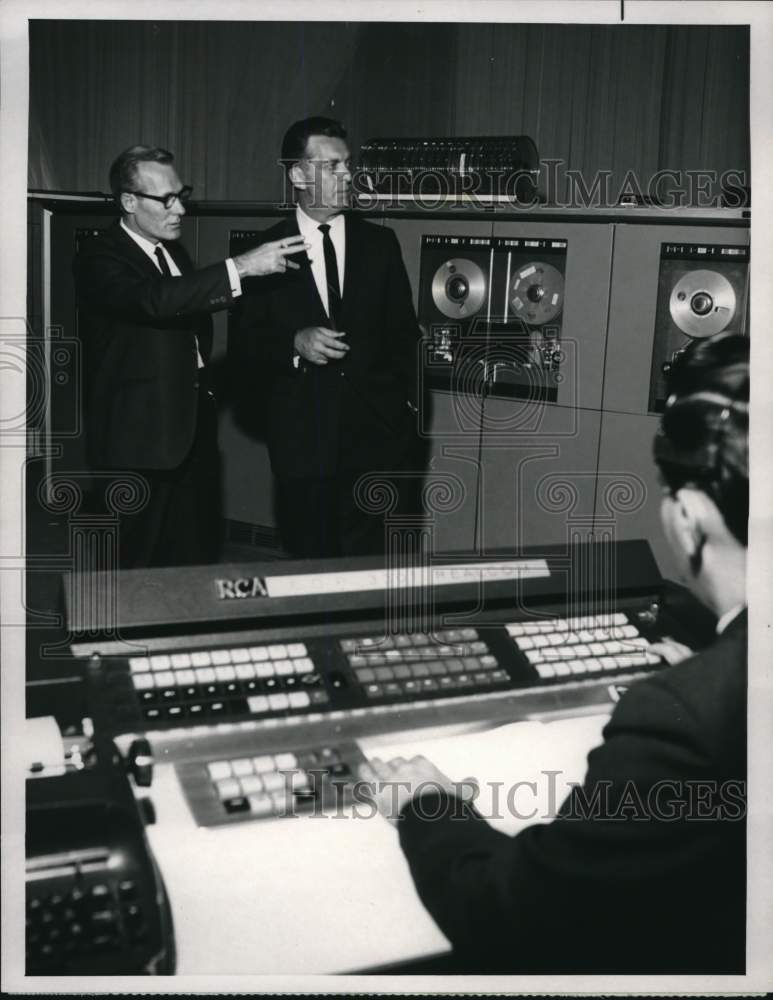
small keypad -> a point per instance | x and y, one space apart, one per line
390 667
582 646
212 684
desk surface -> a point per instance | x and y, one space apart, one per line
333 894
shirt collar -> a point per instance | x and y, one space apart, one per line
148 246
310 227
727 617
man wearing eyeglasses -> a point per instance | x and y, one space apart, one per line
144 322
337 344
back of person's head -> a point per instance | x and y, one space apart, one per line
123 172
298 134
703 439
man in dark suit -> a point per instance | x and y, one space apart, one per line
644 868
144 322
337 341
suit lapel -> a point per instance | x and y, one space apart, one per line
304 283
355 278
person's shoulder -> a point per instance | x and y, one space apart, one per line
111 239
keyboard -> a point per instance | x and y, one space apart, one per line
270 786
370 682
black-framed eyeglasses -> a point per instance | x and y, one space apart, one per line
167 200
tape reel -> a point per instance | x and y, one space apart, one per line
459 288
702 303
536 293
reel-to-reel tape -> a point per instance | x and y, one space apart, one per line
702 290
492 307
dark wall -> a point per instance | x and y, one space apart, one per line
220 95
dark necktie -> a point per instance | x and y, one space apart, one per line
161 258
331 272
167 273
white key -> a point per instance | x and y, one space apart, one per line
284 668
593 665
556 639
139 664
545 670
597 648
585 635
652 659
165 679
201 658
613 646
304 665
561 625
221 656
258 654
525 642
263 764
295 649
578 666
180 661
225 673
299 781
228 788
205 675
264 669
515 629
277 652
640 642
540 641
261 805
142 681
240 656
219 769
299 699
257 704
608 662
273 781
285 761
251 784
245 671
562 669
241 766
185 677
534 656
160 662
626 632
278 702
608 621
581 649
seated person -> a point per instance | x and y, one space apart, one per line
643 870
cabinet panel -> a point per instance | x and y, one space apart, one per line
633 305
536 487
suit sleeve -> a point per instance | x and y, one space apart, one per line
105 281
491 893
401 321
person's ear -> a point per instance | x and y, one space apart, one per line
128 203
297 176
689 519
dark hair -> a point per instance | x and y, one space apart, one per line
703 439
298 134
123 172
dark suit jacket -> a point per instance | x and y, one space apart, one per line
350 414
590 894
138 330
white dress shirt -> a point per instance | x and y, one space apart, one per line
727 617
309 229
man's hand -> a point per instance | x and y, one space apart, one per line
670 650
318 344
270 258
392 784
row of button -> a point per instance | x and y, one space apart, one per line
571 624
222 674
217 657
258 704
412 655
632 648
595 664
619 634
428 685
406 640
431 668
